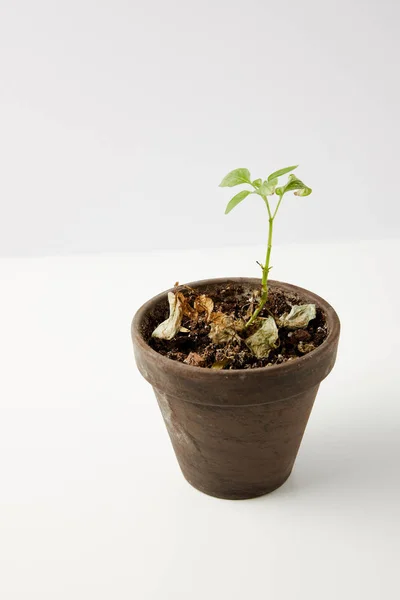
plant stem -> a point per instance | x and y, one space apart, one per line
264 280
266 268
277 206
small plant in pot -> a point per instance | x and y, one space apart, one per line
236 364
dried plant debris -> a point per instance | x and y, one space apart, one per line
305 348
195 360
187 309
209 330
168 329
204 304
265 338
224 328
299 316
220 364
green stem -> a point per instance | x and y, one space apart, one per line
277 206
264 280
266 268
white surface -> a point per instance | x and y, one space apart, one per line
92 502
109 110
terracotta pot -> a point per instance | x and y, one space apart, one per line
236 433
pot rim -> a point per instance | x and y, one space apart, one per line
332 320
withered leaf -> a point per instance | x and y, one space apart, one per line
170 327
221 364
187 310
194 359
305 347
264 339
299 316
223 328
204 304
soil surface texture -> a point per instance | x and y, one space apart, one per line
195 348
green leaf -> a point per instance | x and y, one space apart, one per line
236 177
236 199
257 183
294 185
281 172
267 188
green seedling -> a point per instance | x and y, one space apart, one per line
266 189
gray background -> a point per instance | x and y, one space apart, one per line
118 120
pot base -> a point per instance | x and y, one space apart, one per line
231 495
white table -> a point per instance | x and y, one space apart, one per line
92 502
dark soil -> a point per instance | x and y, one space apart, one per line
196 348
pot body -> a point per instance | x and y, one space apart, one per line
236 433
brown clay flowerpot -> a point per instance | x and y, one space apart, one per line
236 433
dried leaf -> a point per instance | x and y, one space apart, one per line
221 364
170 327
204 304
249 311
187 310
305 348
194 359
187 287
223 329
299 316
264 339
